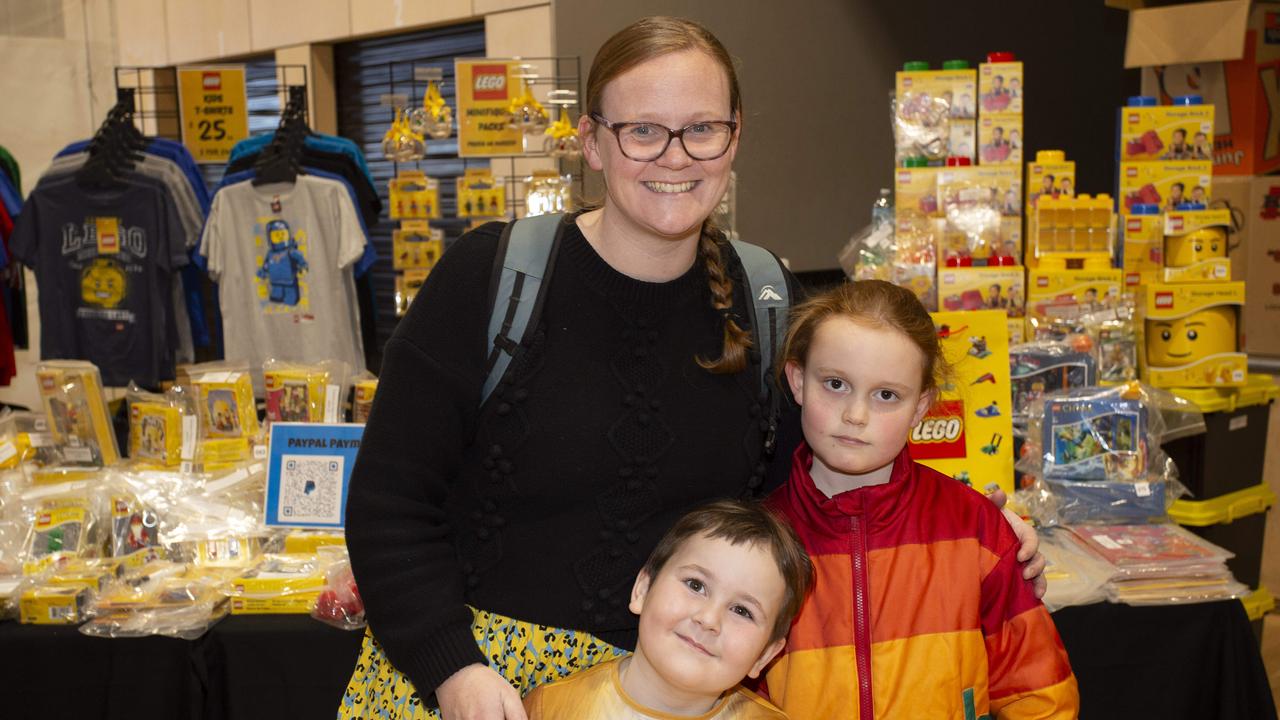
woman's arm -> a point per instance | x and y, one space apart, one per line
422 421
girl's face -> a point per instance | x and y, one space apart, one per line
860 394
671 196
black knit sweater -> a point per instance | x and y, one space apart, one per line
544 506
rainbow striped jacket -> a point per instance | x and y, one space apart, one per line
920 609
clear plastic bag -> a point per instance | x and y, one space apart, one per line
1153 551
71 392
1074 575
163 429
1041 367
308 393
339 603
228 414
161 598
278 576
972 211
366 385
1097 453
24 438
62 522
921 127
222 506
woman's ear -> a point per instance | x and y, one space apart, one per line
737 135
795 378
590 146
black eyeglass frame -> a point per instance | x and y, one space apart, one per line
617 128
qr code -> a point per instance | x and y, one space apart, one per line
311 488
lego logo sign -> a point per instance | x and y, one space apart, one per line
1131 172
940 435
1175 222
1133 225
489 82
47 383
44 519
1164 300
1042 282
211 81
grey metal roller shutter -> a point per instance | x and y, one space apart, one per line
365 71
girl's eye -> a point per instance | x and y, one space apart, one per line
695 584
835 384
886 395
742 612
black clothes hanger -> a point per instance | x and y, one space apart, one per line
116 147
278 162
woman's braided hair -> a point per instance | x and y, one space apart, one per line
635 44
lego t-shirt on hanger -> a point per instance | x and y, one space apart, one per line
104 261
282 256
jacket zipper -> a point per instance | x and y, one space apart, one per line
861 621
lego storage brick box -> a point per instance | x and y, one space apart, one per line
1229 54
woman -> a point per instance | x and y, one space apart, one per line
637 399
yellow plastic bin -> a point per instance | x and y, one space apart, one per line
1257 604
1235 521
1228 456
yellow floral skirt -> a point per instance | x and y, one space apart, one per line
527 655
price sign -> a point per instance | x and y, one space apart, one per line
214 111
485 91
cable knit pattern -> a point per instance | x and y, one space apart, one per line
544 504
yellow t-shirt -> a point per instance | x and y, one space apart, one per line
597 694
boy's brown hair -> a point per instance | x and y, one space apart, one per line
739 522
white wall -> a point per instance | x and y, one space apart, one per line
56 88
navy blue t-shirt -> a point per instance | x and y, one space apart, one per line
106 300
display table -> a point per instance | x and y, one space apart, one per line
253 666
1186 661
1168 661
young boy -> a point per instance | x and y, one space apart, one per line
715 600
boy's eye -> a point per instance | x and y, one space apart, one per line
695 584
834 384
741 611
886 395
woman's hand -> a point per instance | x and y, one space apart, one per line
477 692
1033 563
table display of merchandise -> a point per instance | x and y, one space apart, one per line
173 538
1101 291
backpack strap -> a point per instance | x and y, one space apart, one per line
522 269
770 305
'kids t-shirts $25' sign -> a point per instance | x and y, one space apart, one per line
214 111
968 433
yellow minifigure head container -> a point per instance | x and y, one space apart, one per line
1181 341
1195 247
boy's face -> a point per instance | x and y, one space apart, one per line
707 618
859 394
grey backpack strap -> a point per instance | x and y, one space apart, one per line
770 301
525 253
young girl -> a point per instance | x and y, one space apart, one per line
920 609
